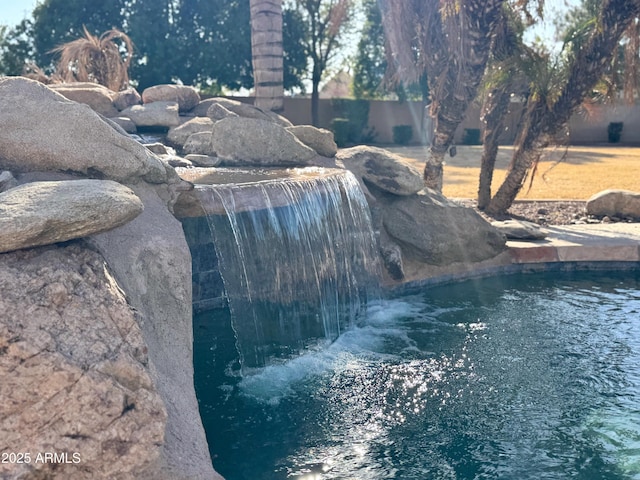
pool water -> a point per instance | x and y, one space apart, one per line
519 377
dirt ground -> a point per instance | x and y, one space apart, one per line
565 178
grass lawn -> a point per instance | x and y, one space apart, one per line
577 175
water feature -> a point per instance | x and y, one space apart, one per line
527 377
296 253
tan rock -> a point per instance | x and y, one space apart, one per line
156 114
186 97
42 213
75 373
615 203
319 139
44 131
98 97
381 168
178 135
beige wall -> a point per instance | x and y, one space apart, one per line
584 128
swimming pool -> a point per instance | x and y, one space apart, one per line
522 376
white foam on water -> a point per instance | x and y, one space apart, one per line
361 344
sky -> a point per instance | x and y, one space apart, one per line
13 12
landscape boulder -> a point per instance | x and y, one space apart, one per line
217 112
186 97
178 135
615 203
240 141
156 114
7 181
199 144
126 98
76 375
41 213
437 231
245 110
44 131
207 161
319 139
98 97
520 230
382 169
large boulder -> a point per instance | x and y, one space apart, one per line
98 97
240 141
179 135
199 144
245 110
76 375
156 114
434 230
150 259
319 139
186 97
381 168
615 203
44 131
42 213
126 98
520 230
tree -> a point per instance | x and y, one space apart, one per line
544 115
370 63
450 41
16 48
326 21
267 55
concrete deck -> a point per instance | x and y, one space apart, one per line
575 247
613 242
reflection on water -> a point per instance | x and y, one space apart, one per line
513 378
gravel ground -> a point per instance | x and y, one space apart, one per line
561 212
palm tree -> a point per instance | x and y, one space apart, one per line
96 59
545 116
450 41
267 53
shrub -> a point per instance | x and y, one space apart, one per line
356 112
96 59
402 134
340 128
614 131
471 136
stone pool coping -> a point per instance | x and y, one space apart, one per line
614 246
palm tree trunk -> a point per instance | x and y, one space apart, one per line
267 53
541 121
494 112
458 48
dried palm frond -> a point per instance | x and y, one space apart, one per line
104 60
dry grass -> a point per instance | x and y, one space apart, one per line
581 173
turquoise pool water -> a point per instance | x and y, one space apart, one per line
518 377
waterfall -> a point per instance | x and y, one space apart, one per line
300 267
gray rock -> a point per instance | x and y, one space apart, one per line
126 98
218 112
381 168
436 231
42 213
175 161
76 376
199 144
7 181
98 97
157 148
520 230
203 160
151 262
156 114
247 141
38 124
319 139
179 135
125 123
615 203
247 111
186 97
